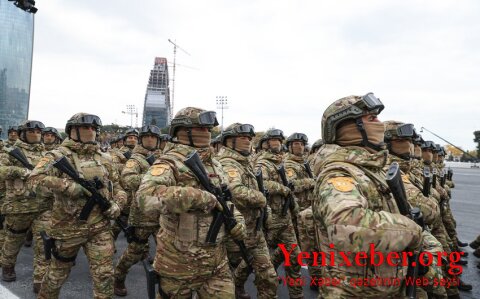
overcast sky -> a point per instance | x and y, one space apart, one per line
280 63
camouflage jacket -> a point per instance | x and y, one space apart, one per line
51 147
18 198
118 157
353 209
89 162
297 174
428 205
269 162
131 178
244 188
169 189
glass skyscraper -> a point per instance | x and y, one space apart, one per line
16 49
156 108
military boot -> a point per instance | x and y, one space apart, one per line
461 244
475 244
240 293
463 286
476 253
28 239
36 287
119 288
8 273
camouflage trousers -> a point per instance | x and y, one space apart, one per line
134 252
306 239
2 233
98 247
217 286
450 224
116 229
16 227
282 232
265 275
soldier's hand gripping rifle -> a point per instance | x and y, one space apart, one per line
95 198
395 183
263 215
18 154
194 163
290 201
427 182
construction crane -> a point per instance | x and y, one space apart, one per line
175 47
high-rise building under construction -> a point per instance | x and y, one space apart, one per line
156 108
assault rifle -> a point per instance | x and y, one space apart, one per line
263 215
225 216
150 159
95 198
395 183
308 169
290 201
434 179
127 155
449 174
443 178
427 182
18 154
153 279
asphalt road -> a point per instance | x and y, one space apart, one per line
465 204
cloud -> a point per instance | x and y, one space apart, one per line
281 63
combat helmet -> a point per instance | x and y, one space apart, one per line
350 108
130 132
398 130
237 129
192 117
82 119
53 131
149 130
26 125
428 145
12 128
297 137
316 145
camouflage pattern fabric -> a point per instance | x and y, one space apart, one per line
249 201
131 178
70 233
184 261
297 175
281 230
352 209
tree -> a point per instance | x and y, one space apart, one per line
477 140
453 150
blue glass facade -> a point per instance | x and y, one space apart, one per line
16 48
156 108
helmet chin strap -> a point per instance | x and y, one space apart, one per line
365 142
190 137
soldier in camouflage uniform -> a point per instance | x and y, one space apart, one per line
12 136
313 150
184 261
69 232
282 230
120 157
399 139
352 207
51 138
131 177
234 157
2 196
23 208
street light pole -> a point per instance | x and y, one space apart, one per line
222 103
131 110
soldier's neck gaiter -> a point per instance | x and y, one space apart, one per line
417 152
131 143
32 137
149 143
427 157
297 149
349 134
86 136
200 139
241 145
401 147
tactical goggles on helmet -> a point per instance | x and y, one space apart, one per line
208 118
405 131
87 119
165 137
33 125
50 130
245 129
428 145
372 102
130 132
275 133
150 130
298 136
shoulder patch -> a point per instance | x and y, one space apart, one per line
42 162
290 172
233 173
158 169
405 178
342 184
130 163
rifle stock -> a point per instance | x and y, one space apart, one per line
20 157
289 201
